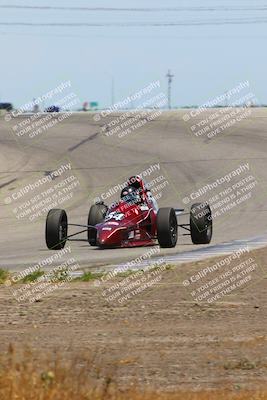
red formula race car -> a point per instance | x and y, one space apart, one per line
135 220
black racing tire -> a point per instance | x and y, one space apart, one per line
56 230
167 227
201 223
96 215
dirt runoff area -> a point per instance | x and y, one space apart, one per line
193 326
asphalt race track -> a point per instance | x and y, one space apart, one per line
186 162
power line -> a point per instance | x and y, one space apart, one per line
233 21
139 9
153 36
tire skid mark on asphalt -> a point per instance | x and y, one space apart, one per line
7 183
92 137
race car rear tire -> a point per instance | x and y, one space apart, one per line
167 227
201 223
96 215
56 230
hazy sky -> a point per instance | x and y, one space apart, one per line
207 60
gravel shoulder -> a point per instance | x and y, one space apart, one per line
161 338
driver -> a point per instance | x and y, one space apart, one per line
131 195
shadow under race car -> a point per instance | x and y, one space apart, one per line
135 220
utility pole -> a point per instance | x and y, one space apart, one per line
169 76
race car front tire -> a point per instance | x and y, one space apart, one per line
201 223
167 227
56 230
96 215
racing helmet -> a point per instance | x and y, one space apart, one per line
135 181
130 195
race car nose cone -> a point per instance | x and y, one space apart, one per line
103 236
108 236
